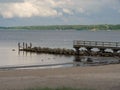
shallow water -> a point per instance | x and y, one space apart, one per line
48 38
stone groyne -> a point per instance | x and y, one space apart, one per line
63 51
47 50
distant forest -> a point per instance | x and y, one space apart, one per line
68 27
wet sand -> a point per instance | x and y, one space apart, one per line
97 77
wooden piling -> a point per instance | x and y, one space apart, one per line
30 45
23 45
26 45
18 46
77 51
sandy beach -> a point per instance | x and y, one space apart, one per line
97 77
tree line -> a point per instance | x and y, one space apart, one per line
68 27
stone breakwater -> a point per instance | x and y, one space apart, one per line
64 51
47 50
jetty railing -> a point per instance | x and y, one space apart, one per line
80 43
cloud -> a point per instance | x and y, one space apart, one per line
54 8
96 6
9 1
67 11
28 8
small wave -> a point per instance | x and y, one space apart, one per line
32 66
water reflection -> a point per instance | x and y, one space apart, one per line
23 53
71 61
94 61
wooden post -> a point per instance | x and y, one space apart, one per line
77 50
89 43
30 45
102 50
95 43
84 42
116 44
103 44
26 45
23 45
109 43
115 50
18 46
88 49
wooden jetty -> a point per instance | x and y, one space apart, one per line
77 44
102 46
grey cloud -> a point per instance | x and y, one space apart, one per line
10 1
46 8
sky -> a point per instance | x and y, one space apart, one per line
59 12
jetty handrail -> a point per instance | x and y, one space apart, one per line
96 43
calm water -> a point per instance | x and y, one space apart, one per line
48 38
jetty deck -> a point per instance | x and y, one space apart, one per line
96 44
115 46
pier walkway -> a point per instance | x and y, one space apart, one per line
102 46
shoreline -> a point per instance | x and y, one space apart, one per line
58 65
32 66
105 77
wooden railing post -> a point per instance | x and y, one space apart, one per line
95 43
89 43
84 42
102 43
116 44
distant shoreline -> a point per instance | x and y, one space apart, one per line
67 27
